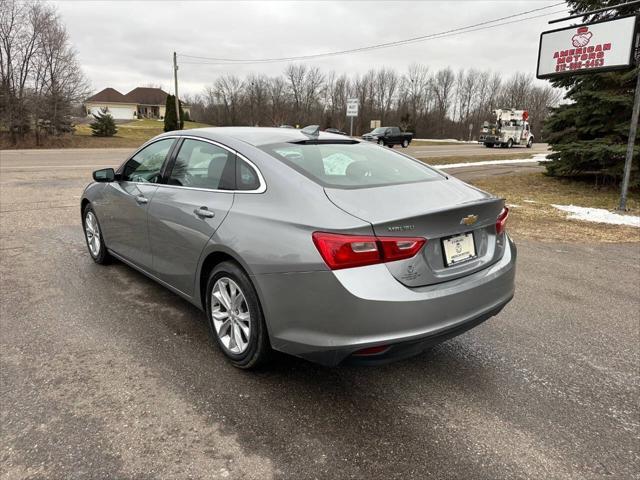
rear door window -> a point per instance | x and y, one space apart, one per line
203 165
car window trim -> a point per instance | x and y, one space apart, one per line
262 184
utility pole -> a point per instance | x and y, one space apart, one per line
632 134
175 78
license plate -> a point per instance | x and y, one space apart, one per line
458 248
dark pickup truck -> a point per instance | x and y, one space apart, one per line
389 136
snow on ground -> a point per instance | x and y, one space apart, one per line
539 157
599 215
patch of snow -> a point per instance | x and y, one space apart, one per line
539 157
530 201
599 215
513 205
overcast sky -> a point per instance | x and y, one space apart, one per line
124 44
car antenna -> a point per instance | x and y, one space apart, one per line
311 131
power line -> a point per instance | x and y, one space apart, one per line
456 31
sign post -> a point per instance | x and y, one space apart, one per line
601 46
352 111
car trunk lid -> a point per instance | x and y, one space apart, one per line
436 210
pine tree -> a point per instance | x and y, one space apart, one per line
103 124
589 134
170 117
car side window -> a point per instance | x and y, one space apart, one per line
145 166
246 176
203 165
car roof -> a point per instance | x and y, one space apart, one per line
257 136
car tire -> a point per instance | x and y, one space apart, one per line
390 145
244 351
93 236
510 143
405 143
381 142
488 145
530 143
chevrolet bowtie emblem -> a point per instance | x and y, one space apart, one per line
469 220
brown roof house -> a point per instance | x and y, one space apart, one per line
141 102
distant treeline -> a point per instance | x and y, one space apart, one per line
438 104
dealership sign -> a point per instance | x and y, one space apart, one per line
594 47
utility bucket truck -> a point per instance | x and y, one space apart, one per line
510 127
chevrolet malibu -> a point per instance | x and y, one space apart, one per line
305 242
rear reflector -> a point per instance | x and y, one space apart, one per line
501 222
348 251
365 352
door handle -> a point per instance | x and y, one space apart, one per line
142 200
204 212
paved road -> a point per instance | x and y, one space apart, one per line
68 158
104 374
470 150
14 161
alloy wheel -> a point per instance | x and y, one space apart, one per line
92 231
230 315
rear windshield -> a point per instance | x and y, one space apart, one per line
356 165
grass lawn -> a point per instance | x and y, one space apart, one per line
533 217
130 135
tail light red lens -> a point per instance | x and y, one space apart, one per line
501 222
348 251
365 352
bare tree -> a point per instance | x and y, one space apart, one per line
228 91
385 86
443 84
277 101
295 76
39 74
257 96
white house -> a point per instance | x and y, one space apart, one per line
141 102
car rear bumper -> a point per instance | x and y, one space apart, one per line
327 316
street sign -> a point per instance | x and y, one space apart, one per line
593 47
352 107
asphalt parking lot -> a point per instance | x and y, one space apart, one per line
105 374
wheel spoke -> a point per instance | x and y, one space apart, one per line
224 328
244 328
233 294
220 315
221 299
224 295
237 337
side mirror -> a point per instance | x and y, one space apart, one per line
104 175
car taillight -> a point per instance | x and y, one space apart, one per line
347 251
501 222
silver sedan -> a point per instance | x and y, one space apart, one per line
305 242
